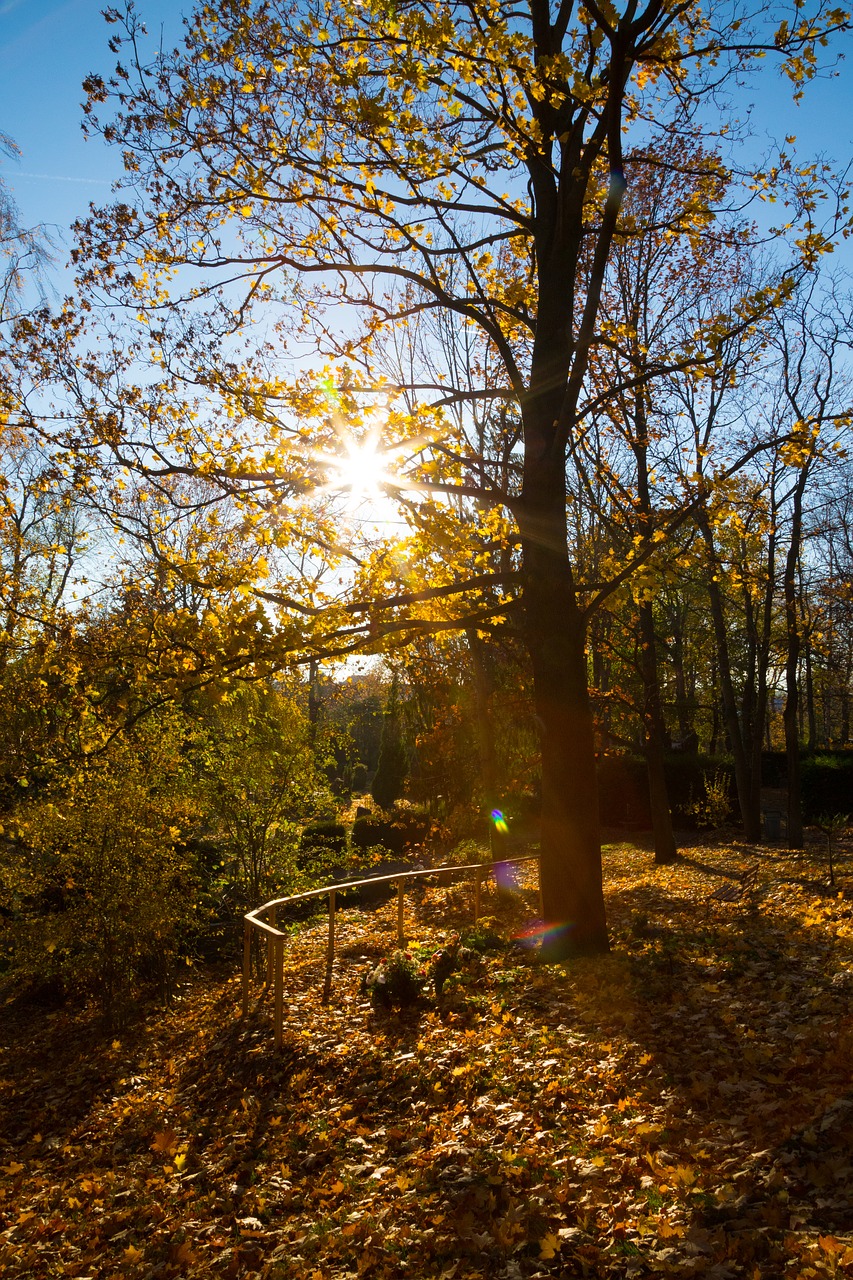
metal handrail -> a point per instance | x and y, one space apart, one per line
275 939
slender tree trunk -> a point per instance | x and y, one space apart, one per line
811 717
653 723
844 728
313 698
750 814
763 632
792 662
601 677
683 703
653 743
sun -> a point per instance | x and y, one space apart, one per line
360 471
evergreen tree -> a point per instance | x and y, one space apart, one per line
393 765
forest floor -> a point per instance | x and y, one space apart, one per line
683 1106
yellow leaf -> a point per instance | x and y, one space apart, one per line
667 1229
180 1162
132 1254
12 1168
549 1246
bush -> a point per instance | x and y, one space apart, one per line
715 809
393 767
623 792
104 887
827 784
324 834
624 788
358 778
397 832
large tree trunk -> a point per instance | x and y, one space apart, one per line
555 633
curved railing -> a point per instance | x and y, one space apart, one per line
263 921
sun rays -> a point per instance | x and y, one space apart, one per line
361 471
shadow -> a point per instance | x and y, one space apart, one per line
58 1067
746 1016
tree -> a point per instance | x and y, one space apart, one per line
464 159
661 290
24 253
258 779
393 766
812 338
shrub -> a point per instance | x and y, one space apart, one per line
396 832
106 888
395 983
324 834
623 793
624 789
715 809
358 778
827 783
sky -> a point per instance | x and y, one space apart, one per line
47 47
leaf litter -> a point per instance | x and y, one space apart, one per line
682 1106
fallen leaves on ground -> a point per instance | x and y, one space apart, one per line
680 1107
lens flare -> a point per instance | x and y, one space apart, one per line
500 822
506 876
542 935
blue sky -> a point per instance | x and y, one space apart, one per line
48 46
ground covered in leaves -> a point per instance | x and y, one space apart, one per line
683 1106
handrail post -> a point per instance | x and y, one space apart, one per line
278 1015
330 949
401 920
247 964
477 888
271 950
